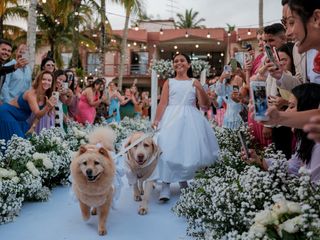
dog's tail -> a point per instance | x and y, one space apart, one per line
104 136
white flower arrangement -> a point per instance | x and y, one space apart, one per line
11 198
198 66
164 68
223 201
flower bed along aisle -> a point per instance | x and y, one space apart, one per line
29 168
225 201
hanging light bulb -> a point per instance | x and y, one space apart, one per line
136 28
186 35
239 38
229 33
249 32
161 31
208 35
44 1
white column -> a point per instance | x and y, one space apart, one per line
154 94
203 76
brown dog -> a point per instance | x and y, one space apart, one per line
141 160
92 171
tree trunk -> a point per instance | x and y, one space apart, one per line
31 34
123 50
75 35
260 13
102 38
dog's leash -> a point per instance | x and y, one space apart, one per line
136 142
149 134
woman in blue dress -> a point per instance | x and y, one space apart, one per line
14 115
228 92
115 99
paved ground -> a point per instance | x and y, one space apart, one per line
60 219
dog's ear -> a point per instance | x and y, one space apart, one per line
82 150
104 152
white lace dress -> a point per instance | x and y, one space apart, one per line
186 138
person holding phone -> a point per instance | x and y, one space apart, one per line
305 97
302 22
115 99
228 90
14 115
18 81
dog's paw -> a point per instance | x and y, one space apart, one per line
143 210
85 216
137 198
94 211
102 231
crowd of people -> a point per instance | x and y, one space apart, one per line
291 76
55 96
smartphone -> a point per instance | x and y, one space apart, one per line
259 99
235 88
233 64
65 85
243 143
55 94
249 47
227 68
270 55
24 55
276 53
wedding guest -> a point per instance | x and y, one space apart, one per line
18 81
127 106
89 100
48 64
185 137
115 99
14 115
306 97
5 53
304 26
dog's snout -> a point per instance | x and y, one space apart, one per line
89 172
140 156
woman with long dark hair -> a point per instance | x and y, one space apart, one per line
306 97
89 100
185 137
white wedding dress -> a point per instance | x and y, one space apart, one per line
185 137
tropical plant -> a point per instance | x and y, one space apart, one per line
31 35
55 22
131 6
189 20
9 9
260 13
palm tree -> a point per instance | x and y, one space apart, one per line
75 33
55 21
31 35
260 13
102 36
8 9
188 20
131 6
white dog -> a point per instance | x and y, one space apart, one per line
141 160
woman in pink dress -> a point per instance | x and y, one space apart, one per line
89 100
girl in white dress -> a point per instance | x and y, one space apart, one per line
185 137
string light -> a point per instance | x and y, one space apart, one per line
229 33
161 31
197 46
175 47
249 32
136 28
208 35
186 35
